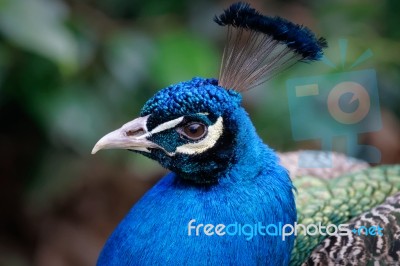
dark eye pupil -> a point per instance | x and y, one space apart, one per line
194 130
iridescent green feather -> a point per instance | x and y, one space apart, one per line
339 200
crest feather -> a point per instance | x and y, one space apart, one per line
258 47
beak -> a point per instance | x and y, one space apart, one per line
131 136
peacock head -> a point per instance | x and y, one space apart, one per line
198 128
190 128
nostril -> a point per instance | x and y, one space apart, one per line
138 132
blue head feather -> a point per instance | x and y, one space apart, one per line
202 100
189 97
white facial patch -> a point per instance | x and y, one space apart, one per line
167 125
214 133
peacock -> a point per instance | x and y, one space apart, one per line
224 183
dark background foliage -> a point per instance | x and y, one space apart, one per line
73 70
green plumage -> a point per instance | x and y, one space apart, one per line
339 200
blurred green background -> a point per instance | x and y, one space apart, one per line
73 70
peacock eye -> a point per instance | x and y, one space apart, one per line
194 130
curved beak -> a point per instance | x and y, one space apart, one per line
131 136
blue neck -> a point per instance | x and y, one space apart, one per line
251 155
